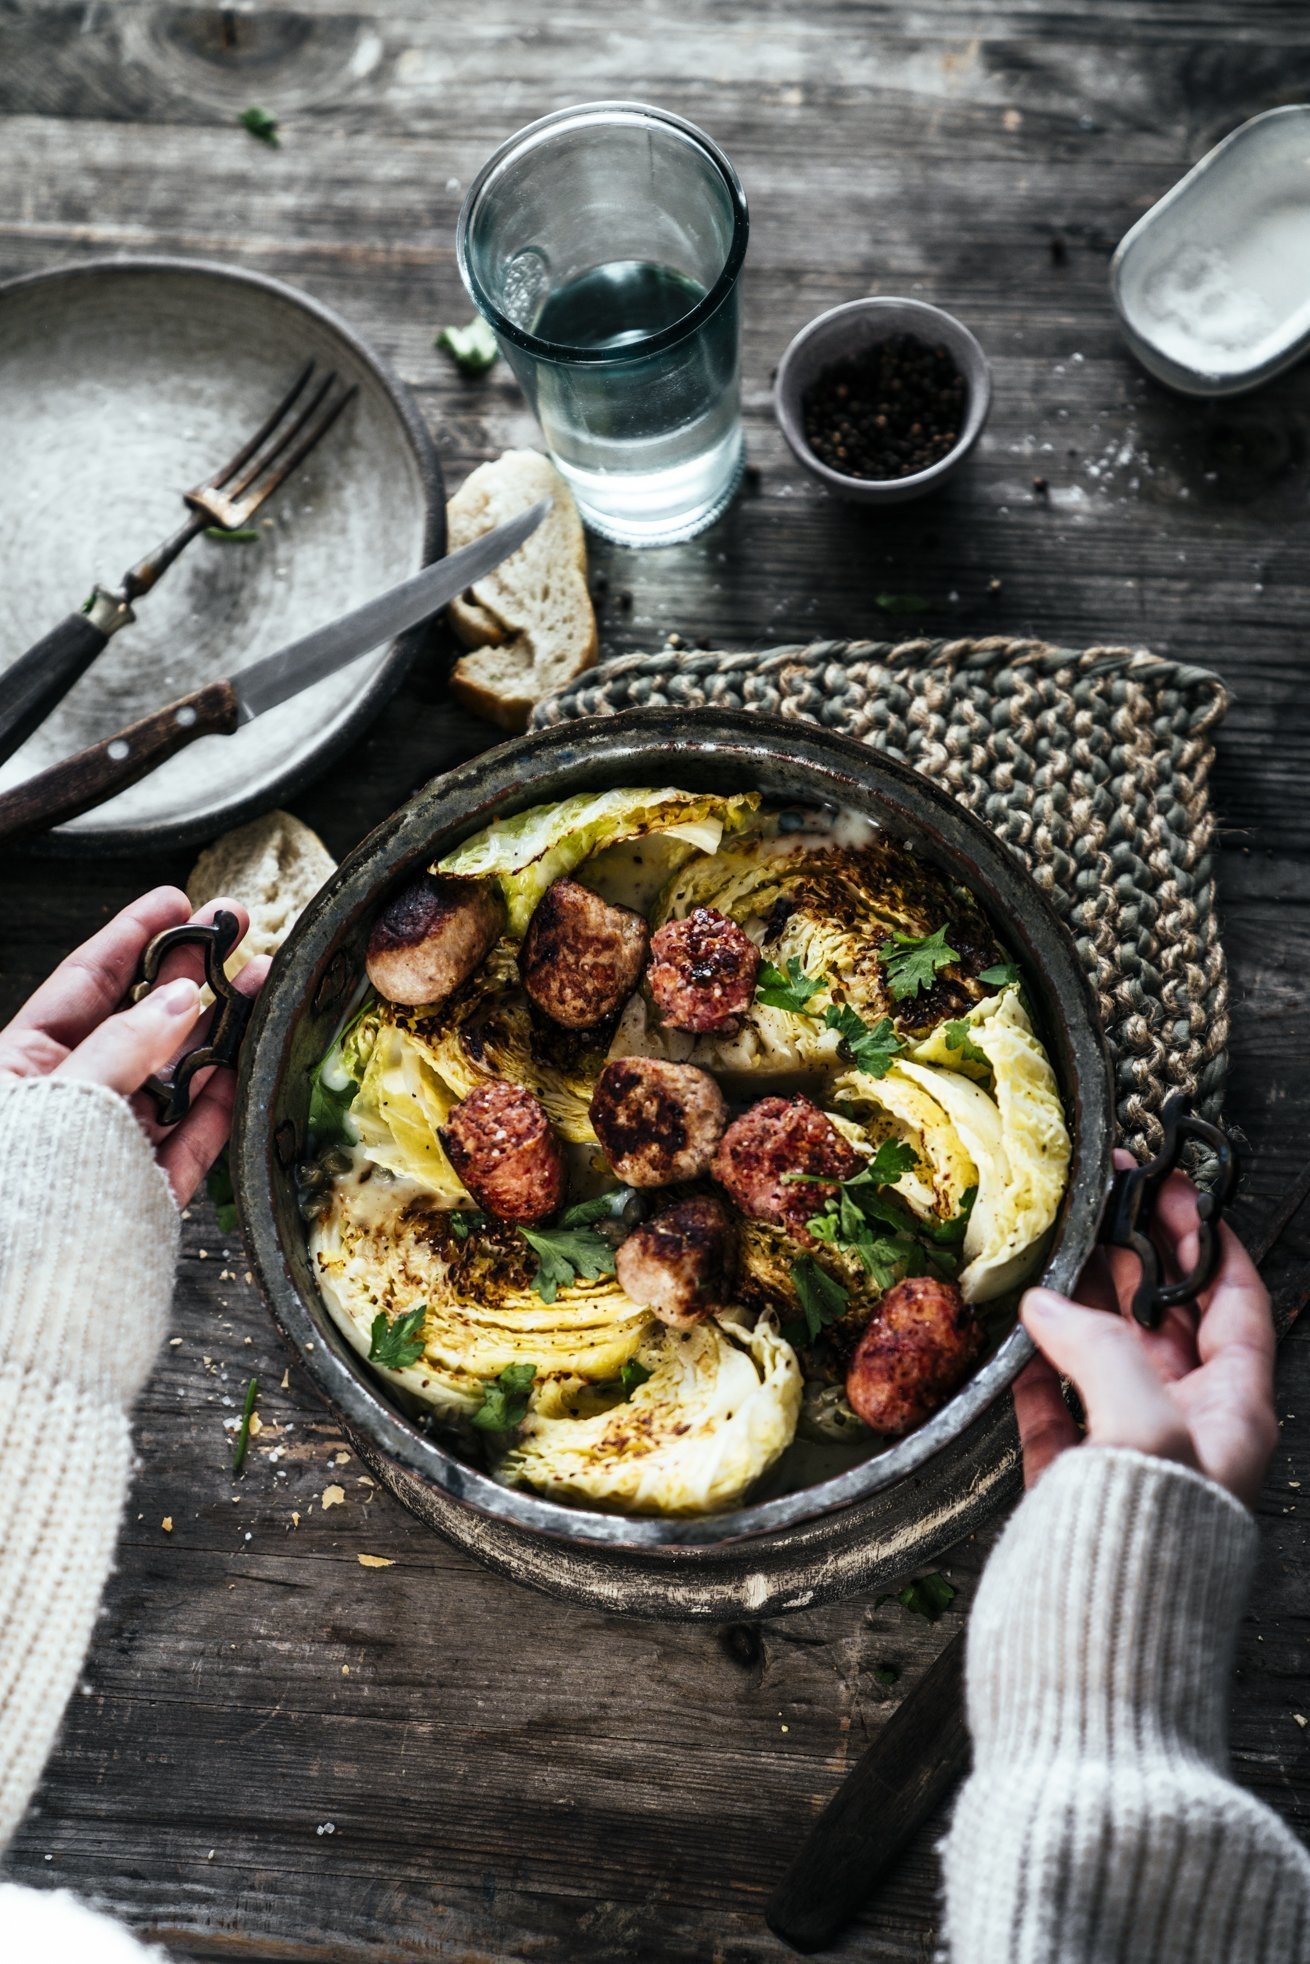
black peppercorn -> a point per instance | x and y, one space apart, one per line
890 411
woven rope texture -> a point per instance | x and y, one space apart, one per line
1093 766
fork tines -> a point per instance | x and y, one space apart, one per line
234 493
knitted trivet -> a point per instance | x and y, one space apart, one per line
1093 766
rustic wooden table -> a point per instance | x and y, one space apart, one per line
277 1752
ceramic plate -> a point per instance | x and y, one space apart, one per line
123 383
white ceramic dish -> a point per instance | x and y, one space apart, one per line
1212 285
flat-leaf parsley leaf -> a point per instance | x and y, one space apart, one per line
872 1049
473 348
912 961
260 124
823 1299
958 1038
1002 975
791 990
505 1399
396 1344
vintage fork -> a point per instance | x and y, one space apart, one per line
31 686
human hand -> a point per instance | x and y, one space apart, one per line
1198 1390
73 1028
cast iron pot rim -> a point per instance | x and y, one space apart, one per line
505 779
391 672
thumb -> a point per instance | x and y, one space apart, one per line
122 1051
1125 1402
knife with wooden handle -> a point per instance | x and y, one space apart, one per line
219 708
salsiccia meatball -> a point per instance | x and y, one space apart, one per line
657 1122
680 1264
431 936
915 1349
702 972
777 1137
581 957
500 1143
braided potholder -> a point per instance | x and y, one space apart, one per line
1094 766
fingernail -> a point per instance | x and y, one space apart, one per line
180 998
1040 1304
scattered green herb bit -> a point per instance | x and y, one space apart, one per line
912 961
945 1234
463 1223
871 1050
234 535
566 1255
505 1399
632 1375
886 1673
218 1185
930 1596
396 1344
823 1298
959 1039
1002 975
903 603
89 602
243 1436
472 348
260 124
790 991
892 1160
605 1207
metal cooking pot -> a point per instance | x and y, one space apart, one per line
896 1510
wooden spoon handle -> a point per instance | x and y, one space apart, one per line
111 765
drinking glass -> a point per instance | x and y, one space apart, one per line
603 246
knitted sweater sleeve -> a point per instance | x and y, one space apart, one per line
1100 1821
88 1245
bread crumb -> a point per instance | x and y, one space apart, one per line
256 1425
167 1525
345 1670
1300 1719
173 1342
286 1375
295 1518
333 1497
380 1561
342 1459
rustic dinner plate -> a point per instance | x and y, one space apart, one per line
122 383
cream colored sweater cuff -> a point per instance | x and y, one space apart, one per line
1099 1821
88 1245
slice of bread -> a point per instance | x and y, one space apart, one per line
529 625
274 866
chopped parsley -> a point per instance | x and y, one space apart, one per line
1002 975
912 961
218 1185
572 1250
463 1223
233 535
261 124
632 1375
930 1596
959 1039
879 1230
823 1299
872 1049
472 349
396 1344
791 990
505 1399
243 1436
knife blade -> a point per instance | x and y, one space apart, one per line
219 708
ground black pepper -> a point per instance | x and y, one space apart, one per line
892 410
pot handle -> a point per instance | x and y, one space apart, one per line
172 1095
1132 1203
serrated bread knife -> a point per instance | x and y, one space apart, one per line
221 707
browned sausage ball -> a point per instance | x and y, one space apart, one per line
915 1349
581 957
702 972
774 1138
680 1264
657 1122
431 936
499 1141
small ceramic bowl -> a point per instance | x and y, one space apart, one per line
849 330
